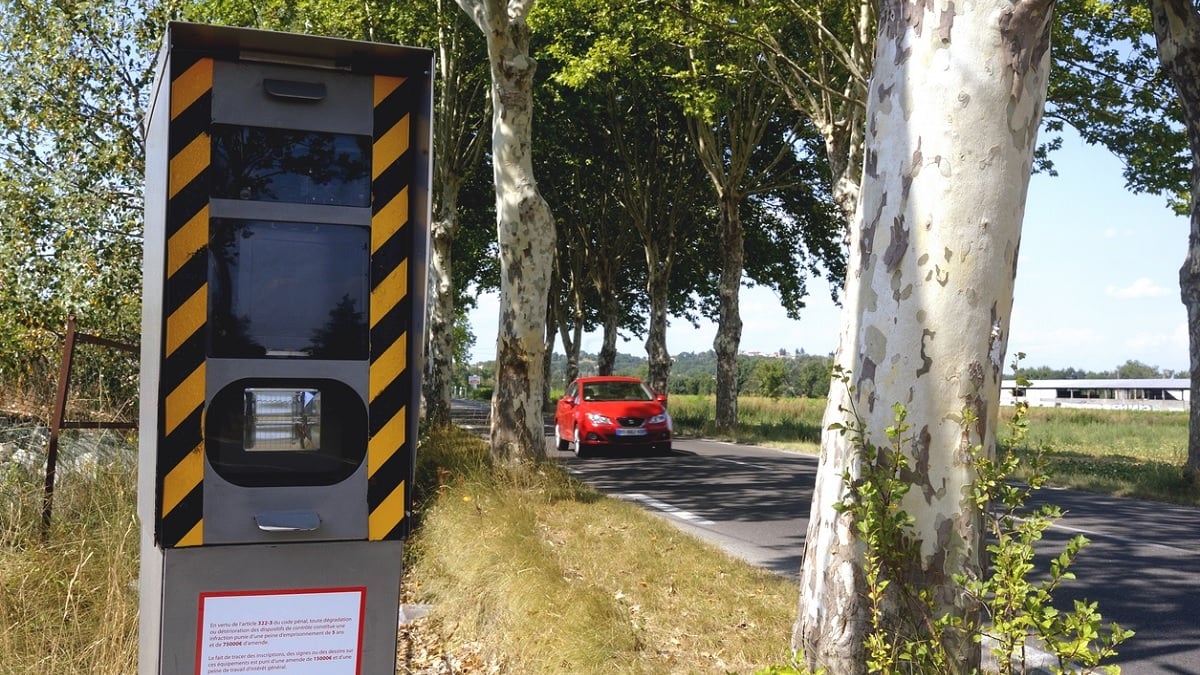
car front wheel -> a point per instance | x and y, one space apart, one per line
580 451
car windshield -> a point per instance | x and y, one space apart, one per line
615 391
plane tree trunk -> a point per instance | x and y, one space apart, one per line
1177 30
658 282
729 325
728 147
438 385
524 232
570 318
953 109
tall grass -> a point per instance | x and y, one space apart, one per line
68 602
1149 436
1129 453
793 423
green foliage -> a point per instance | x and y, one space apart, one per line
1106 82
630 92
906 632
1127 371
77 79
1020 609
904 635
319 17
770 374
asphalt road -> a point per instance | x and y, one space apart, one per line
1142 567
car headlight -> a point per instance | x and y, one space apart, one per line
598 419
659 419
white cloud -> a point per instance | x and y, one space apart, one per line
1160 349
1055 347
1147 341
1142 288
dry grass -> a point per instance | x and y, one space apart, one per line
535 573
68 602
527 572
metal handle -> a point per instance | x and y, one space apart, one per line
301 91
288 521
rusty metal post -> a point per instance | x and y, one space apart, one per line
59 412
58 420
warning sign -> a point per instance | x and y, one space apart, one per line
292 632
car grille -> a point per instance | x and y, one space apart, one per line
631 421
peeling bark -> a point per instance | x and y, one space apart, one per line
525 233
657 286
1177 30
440 342
955 101
729 326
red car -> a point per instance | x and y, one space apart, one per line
614 412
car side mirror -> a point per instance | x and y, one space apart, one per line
661 398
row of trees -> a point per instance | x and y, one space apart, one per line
1130 370
627 107
684 148
633 140
803 375
71 163
780 375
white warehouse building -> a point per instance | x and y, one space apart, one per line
1135 394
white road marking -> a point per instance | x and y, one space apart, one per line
1096 534
666 508
734 461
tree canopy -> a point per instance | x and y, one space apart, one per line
609 91
77 77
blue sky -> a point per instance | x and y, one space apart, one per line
1097 282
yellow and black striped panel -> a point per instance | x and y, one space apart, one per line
389 462
185 306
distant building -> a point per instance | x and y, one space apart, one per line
1135 394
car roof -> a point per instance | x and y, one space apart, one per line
608 378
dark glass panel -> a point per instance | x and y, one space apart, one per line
284 165
281 289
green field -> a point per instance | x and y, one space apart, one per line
1129 453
